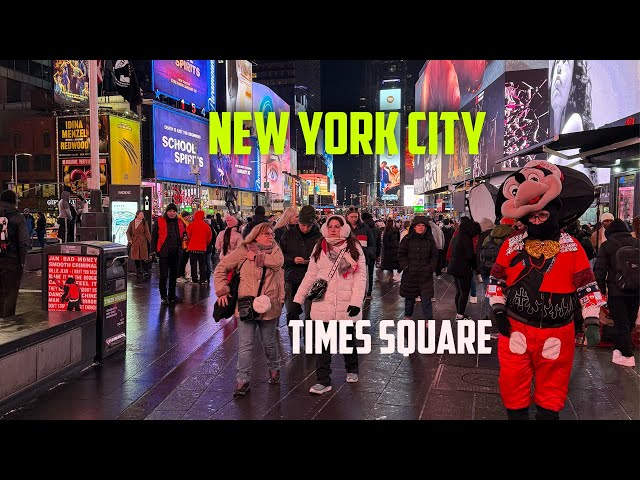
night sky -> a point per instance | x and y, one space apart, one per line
342 82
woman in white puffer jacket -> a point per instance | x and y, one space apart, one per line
344 294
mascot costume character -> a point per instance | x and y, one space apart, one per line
540 278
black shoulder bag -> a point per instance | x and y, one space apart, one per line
245 304
319 287
220 312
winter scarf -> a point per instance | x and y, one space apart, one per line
260 251
332 248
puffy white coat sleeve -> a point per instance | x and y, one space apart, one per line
307 281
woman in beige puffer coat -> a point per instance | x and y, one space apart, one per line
258 250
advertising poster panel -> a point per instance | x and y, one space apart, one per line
389 167
186 80
125 151
73 283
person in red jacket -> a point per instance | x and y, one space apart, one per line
541 276
198 237
166 243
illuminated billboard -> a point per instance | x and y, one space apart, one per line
187 80
71 82
237 170
239 90
180 142
390 99
266 101
389 168
125 155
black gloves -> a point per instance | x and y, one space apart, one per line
500 320
592 331
353 311
296 310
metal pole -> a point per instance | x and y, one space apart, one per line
94 181
14 179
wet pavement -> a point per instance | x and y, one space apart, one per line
181 364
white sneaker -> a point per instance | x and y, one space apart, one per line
622 360
418 299
181 280
473 299
319 389
352 377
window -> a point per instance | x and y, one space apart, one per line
42 163
46 139
5 163
23 163
22 66
13 91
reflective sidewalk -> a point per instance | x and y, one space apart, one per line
180 364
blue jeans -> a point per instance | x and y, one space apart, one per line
246 339
427 308
484 311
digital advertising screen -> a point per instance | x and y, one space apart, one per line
122 214
418 173
187 80
433 168
526 114
73 283
267 101
591 94
491 143
390 99
125 151
446 85
74 139
389 167
408 160
71 82
240 87
237 170
180 142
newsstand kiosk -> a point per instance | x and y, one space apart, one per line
90 276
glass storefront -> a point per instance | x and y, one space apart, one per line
625 197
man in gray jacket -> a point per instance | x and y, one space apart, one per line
14 244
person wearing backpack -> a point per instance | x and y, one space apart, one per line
14 244
488 248
617 267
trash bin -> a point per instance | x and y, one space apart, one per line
92 277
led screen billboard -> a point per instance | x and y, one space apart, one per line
186 80
526 114
239 91
237 170
71 82
390 99
389 168
266 101
180 142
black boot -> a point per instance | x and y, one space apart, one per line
546 414
140 272
520 414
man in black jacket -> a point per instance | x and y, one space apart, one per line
377 239
367 241
13 252
258 217
623 304
297 244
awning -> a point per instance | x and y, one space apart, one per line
597 148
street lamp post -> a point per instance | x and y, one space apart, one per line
14 178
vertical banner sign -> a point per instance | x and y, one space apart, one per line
73 283
125 151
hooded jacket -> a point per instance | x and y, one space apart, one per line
255 220
377 236
18 233
198 234
418 257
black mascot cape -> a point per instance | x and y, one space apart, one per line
540 278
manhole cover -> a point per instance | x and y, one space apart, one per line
467 379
